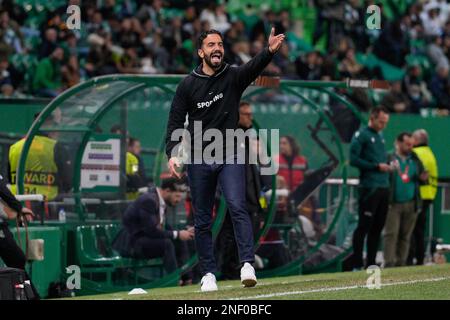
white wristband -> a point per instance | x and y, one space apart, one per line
175 235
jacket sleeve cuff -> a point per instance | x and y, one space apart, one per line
268 51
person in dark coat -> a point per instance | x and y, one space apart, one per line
145 233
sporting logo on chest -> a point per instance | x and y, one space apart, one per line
207 104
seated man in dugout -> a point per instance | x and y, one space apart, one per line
145 233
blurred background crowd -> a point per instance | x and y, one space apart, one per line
326 40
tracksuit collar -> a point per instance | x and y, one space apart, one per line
199 71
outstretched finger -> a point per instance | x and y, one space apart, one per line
272 32
174 172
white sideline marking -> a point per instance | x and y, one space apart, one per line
288 293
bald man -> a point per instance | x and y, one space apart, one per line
427 194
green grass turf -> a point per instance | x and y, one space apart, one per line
428 285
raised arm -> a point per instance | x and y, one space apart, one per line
248 72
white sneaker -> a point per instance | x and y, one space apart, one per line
208 282
248 277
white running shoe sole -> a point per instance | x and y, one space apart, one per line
209 289
208 284
248 283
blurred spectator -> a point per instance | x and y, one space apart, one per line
7 90
151 9
96 23
10 35
292 165
133 178
49 43
393 44
72 44
216 16
128 36
283 62
416 89
432 20
436 53
173 29
330 14
359 97
188 21
47 79
239 53
356 28
70 72
163 41
284 23
134 146
349 67
396 101
440 87
5 77
261 29
272 246
308 66
129 62
236 43
147 65
170 59
108 8
100 59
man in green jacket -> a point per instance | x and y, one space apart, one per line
406 178
368 154
47 80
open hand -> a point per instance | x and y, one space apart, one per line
27 213
383 167
424 176
174 163
185 235
275 41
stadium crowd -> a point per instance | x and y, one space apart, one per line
155 36
137 37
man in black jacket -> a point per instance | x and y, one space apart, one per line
145 233
226 244
10 252
210 97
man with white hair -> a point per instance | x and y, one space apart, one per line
427 194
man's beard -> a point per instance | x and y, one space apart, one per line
211 64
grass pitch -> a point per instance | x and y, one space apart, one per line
424 282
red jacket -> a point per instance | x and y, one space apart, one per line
294 173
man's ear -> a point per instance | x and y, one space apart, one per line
200 53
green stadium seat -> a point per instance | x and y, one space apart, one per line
390 72
94 253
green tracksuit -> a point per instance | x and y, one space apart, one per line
367 150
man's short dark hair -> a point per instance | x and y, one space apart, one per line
173 184
117 128
401 136
243 103
204 34
132 141
375 111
